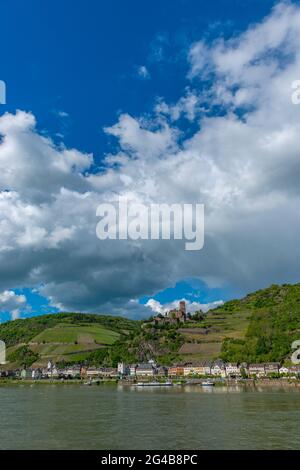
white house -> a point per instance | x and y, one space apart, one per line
132 370
284 370
218 369
145 370
108 372
189 369
232 369
272 367
294 370
257 370
205 368
92 372
123 369
54 372
73 371
50 371
36 374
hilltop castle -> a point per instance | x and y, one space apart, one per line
174 316
178 314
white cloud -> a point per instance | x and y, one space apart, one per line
31 165
137 137
243 165
143 72
13 303
156 306
62 114
187 106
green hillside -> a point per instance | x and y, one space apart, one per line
257 328
147 342
204 340
65 337
81 334
274 324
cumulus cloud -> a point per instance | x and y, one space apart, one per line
143 140
242 163
12 303
187 106
32 166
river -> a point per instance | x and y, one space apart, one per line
117 417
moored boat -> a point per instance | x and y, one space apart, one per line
207 383
154 384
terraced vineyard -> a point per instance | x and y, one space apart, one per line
61 337
257 328
81 334
204 341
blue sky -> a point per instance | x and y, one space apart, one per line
78 67
82 57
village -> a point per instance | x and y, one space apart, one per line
151 371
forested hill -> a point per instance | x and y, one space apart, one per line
63 337
274 323
258 328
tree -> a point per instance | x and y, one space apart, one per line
198 315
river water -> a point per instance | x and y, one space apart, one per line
117 417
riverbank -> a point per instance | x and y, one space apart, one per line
268 383
262 383
17 382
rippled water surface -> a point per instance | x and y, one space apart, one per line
111 417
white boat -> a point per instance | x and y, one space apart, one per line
154 384
207 383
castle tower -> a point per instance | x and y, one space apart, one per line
182 307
